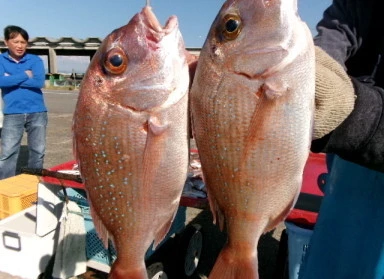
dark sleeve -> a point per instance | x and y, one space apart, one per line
360 137
336 34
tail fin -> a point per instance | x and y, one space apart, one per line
229 266
123 272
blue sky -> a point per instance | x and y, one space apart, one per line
97 18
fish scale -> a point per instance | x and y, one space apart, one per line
252 103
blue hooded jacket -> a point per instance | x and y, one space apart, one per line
20 93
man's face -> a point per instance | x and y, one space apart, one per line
17 46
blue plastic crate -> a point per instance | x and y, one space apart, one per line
95 249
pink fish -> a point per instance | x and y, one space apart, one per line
252 103
131 136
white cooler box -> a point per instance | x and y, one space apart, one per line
22 252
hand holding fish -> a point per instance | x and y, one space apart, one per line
335 95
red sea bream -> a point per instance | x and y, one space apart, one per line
252 102
131 136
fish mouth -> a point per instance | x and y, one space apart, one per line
156 30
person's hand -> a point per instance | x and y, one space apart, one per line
29 73
335 95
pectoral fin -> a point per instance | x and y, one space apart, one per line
155 127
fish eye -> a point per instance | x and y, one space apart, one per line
115 61
232 26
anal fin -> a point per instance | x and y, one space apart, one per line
163 230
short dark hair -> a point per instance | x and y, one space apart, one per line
12 31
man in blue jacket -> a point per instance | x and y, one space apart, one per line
22 76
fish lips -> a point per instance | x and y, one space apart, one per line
155 31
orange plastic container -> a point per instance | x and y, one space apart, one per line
17 193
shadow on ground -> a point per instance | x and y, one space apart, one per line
22 161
